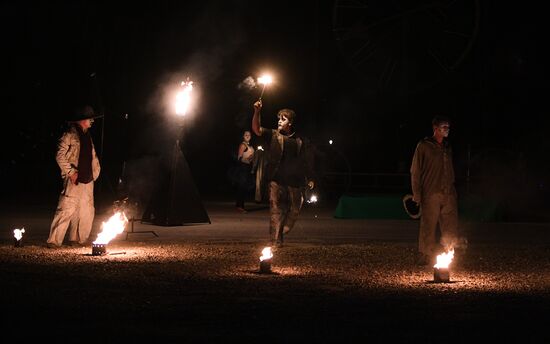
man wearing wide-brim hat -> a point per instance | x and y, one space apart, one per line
79 166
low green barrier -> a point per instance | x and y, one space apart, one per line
390 206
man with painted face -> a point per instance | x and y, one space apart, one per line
79 166
289 169
432 181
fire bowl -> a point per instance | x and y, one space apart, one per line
265 266
442 275
99 249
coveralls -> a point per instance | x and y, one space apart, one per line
289 165
432 181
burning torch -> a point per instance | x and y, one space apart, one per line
265 80
183 98
18 237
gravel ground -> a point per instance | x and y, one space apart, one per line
202 291
175 290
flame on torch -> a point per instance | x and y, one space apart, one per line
260 148
114 226
266 254
266 80
18 233
444 259
183 98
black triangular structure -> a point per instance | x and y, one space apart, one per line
176 200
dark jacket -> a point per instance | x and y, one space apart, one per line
275 142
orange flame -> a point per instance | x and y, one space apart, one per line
114 226
444 259
18 233
266 254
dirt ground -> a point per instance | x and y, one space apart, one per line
333 281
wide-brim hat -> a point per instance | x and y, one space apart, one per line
411 207
83 112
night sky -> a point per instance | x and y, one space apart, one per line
368 74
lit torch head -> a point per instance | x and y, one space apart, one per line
265 79
183 98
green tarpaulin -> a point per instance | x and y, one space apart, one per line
390 206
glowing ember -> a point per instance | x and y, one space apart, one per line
114 226
183 98
18 233
266 254
444 259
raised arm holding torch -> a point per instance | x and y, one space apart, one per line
256 122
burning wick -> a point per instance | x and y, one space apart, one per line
441 268
265 260
114 226
18 237
183 98
266 80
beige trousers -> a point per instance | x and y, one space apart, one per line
75 211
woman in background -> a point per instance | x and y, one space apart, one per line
245 182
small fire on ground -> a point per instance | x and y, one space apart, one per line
265 260
444 260
18 233
441 268
266 254
114 226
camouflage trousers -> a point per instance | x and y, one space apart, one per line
285 203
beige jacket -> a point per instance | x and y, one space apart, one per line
68 150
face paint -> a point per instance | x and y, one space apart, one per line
284 124
444 129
